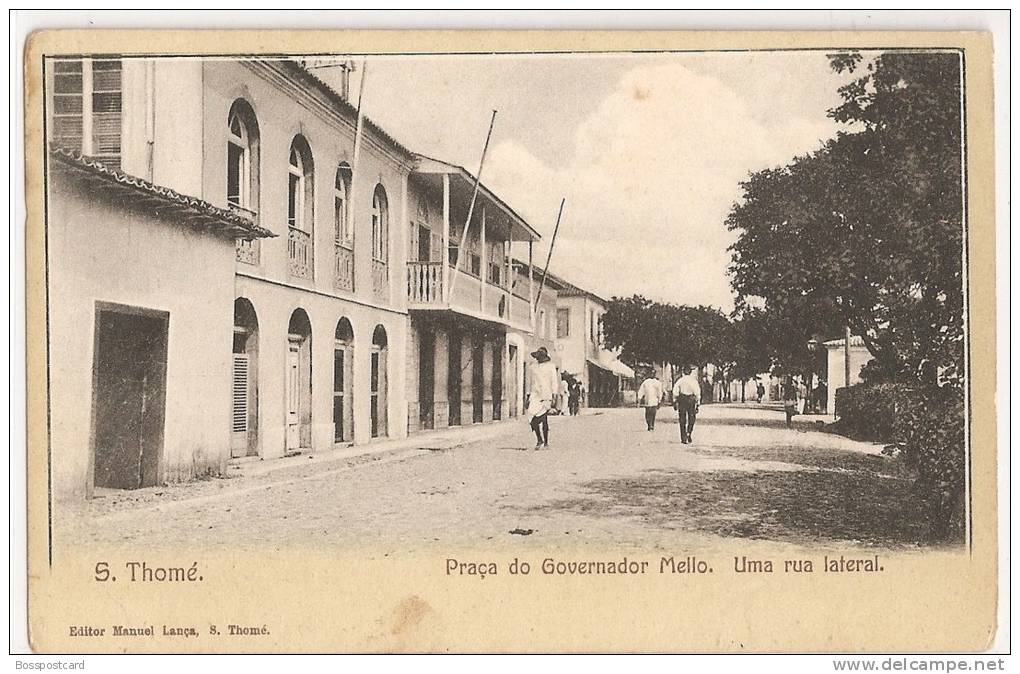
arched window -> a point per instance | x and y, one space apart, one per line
300 197
341 207
242 156
380 224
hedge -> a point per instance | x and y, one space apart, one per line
928 426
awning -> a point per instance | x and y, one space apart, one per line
610 363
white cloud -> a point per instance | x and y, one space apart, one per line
653 173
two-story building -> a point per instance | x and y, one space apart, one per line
582 346
287 258
462 368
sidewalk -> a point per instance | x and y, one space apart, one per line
385 449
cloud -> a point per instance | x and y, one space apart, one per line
653 172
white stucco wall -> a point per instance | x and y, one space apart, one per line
99 250
859 357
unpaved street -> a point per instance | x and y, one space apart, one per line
605 480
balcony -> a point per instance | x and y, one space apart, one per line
424 282
425 291
343 268
247 251
299 253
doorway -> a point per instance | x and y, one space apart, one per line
477 380
453 385
497 381
343 382
244 420
299 382
128 396
426 379
511 386
379 382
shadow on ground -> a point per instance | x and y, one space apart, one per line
840 497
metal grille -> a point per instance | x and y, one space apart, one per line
240 394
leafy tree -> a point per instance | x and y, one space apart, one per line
872 221
868 230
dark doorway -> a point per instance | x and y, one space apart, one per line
477 380
426 379
454 377
343 379
511 375
497 381
379 382
129 396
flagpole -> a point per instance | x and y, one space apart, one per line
357 144
545 272
471 207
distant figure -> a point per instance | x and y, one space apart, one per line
583 391
821 396
790 400
545 386
686 399
760 391
574 396
564 397
650 395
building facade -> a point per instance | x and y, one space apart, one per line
356 308
582 347
464 361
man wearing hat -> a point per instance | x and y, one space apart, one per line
545 386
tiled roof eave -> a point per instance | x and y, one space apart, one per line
194 212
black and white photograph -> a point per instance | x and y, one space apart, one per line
696 312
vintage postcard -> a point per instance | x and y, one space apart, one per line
510 342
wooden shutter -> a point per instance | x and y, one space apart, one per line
240 394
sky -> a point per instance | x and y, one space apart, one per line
647 149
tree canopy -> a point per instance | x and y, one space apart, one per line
867 230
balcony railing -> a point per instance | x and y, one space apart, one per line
299 253
380 280
247 251
424 282
343 268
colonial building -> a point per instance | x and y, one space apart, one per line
546 328
582 346
293 285
462 368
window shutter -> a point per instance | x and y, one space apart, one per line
240 394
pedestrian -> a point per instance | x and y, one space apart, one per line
790 400
650 395
564 397
574 396
760 391
545 386
686 399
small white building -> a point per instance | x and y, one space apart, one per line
836 366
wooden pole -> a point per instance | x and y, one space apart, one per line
471 207
548 258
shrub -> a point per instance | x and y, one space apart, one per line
927 425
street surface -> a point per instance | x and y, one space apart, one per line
605 480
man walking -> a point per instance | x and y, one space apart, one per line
650 395
686 398
545 386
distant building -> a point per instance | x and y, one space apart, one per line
582 348
836 366
548 328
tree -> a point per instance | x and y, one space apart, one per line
869 229
872 221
